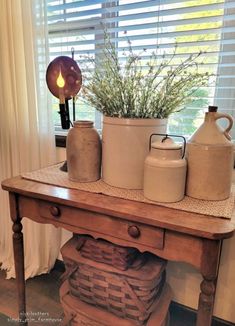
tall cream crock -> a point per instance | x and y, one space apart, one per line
124 149
210 159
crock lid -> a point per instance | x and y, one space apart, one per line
166 143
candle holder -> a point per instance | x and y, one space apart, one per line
64 80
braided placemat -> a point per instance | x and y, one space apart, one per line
54 176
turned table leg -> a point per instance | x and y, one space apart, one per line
18 247
209 271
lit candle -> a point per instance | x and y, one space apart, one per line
60 83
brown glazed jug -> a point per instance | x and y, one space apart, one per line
83 151
210 159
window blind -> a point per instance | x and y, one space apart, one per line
154 25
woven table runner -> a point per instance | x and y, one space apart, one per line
54 176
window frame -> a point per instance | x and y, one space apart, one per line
61 135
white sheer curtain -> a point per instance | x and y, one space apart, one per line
26 128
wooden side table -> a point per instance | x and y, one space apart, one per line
171 234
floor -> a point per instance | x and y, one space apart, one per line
43 307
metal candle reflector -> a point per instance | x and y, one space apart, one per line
64 80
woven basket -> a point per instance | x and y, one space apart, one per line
106 252
78 313
128 294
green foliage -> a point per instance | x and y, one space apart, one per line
142 89
193 114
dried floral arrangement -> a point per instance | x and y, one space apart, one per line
133 88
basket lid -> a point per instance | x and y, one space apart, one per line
151 270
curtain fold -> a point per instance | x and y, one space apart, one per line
26 125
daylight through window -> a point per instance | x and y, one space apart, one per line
152 25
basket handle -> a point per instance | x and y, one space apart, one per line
69 271
142 307
67 319
133 295
80 243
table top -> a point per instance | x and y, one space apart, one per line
154 215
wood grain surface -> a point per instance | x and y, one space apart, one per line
153 215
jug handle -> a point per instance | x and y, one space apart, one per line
166 136
230 119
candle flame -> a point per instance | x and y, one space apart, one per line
60 81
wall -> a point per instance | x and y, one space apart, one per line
185 280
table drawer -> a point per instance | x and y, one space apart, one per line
103 224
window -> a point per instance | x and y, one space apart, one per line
206 25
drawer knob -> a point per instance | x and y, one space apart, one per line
55 211
134 231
